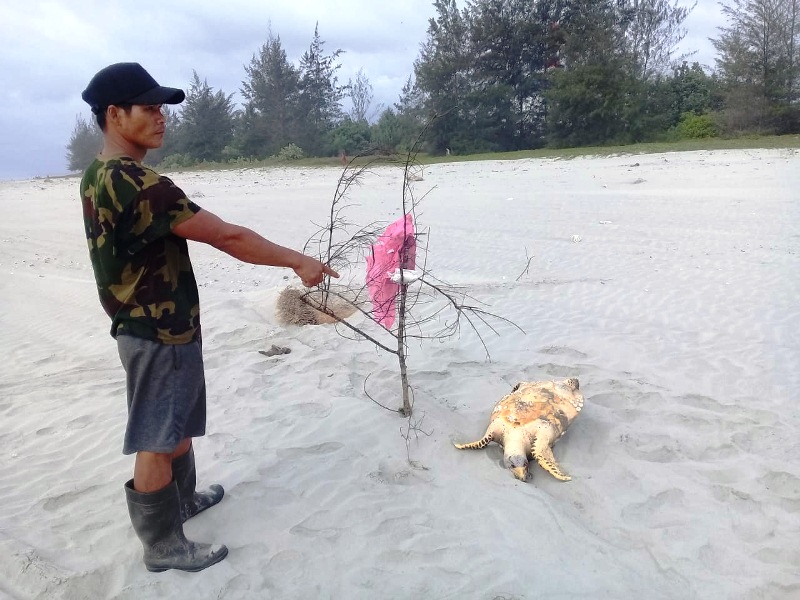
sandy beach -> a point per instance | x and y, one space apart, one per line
677 307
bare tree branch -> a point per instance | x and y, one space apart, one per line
367 394
343 245
527 268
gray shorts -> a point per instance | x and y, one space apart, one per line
166 393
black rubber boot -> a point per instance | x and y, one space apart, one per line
192 501
156 518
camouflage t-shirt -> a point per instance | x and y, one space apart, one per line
143 272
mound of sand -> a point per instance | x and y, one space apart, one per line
302 307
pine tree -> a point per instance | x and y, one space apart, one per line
758 64
320 95
361 96
653 34
510 45
442 74
589 96
84 144
271 117
206 122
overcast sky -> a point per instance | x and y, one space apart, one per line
51 49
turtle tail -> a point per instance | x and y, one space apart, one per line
481 443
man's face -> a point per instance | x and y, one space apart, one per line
142 126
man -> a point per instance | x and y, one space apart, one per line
137 224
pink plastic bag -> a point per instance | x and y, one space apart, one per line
397 241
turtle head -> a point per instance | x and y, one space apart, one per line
521 473
518 464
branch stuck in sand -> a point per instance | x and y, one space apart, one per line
422 301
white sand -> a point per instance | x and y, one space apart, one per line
681 318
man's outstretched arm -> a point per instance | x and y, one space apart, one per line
248 246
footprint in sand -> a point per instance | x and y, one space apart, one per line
57 502
782 484
326 448
317 525
79 422
657 511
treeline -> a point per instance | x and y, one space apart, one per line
503 75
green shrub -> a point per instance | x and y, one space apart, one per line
242 161
694 127
350 137
176 161
290 152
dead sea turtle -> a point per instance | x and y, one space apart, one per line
528 421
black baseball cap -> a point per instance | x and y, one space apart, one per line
127 83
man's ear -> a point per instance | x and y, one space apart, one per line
113 114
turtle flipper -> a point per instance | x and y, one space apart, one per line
544 454
481 443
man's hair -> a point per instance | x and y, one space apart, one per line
101 114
